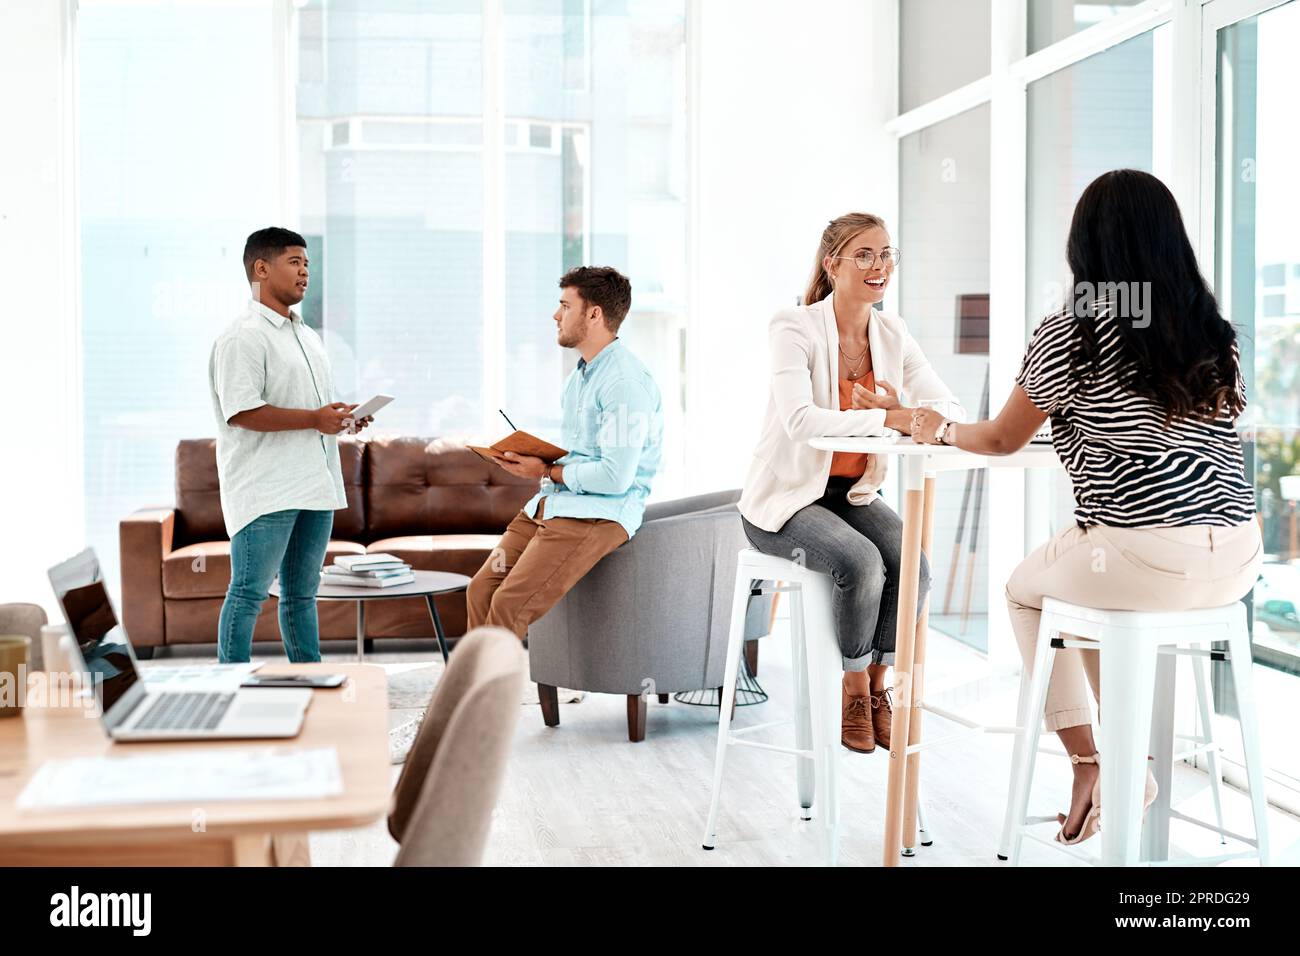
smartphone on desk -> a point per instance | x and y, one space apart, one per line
294 680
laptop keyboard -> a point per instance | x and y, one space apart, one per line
185 711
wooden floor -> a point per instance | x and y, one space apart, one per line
581 794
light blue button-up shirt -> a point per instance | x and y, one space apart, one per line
613 426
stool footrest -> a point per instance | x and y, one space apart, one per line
946 714
1176 651
807 754
944 741
1194 752
1177 815
767 726
1061 643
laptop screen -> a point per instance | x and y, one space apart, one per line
103 643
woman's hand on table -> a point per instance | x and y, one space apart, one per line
899 419
925 422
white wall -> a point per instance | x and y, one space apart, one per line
792 100
41 482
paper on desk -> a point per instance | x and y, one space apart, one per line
195 677
250 773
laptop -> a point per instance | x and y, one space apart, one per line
129 709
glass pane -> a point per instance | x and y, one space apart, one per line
1052 20
600 181
171 184
1258 284
943 45
944 297
393 210
1105 112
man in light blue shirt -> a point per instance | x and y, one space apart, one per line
590 500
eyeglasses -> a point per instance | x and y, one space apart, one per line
889 257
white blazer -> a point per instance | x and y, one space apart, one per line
787 473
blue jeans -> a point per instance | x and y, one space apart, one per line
861 548
293 542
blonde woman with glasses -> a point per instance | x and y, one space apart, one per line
838 367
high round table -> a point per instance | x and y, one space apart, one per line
427 584
919 464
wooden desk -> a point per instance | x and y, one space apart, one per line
919 464
353 719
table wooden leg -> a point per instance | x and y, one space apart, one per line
251 849
290 849
918 683
900 730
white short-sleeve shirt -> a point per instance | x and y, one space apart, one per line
263 358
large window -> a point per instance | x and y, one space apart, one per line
943 44
364 126
1052 20
1105 112
594 174
944 282
177 127
1073 90
1257 279
390 156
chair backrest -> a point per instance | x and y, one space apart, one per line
443 803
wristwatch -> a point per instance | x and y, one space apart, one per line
941 433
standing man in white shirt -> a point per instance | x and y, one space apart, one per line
277 450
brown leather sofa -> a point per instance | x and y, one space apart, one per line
431 502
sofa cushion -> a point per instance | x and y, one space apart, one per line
203 570
459 553
195 621
419 486
198 493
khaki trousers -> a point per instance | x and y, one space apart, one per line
535 564
1124 569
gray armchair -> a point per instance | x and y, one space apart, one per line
26 619
652 617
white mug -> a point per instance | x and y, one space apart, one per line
54 655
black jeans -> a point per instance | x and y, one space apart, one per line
860 547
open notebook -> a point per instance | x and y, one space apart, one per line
521 443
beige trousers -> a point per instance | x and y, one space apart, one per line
1124 569
537 562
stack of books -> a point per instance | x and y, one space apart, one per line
368 571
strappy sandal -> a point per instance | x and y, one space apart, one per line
1092 822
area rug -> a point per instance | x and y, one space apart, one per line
411 686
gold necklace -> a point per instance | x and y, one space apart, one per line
854 365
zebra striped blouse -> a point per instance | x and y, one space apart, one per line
1128 469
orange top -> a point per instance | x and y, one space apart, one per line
843 463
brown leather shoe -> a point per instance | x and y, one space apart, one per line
855 723
882 716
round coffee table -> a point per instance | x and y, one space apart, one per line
427 584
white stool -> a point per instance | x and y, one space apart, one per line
1156 836
1130 643
817 668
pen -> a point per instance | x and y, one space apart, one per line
507 418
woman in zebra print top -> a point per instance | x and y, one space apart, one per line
1141 379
